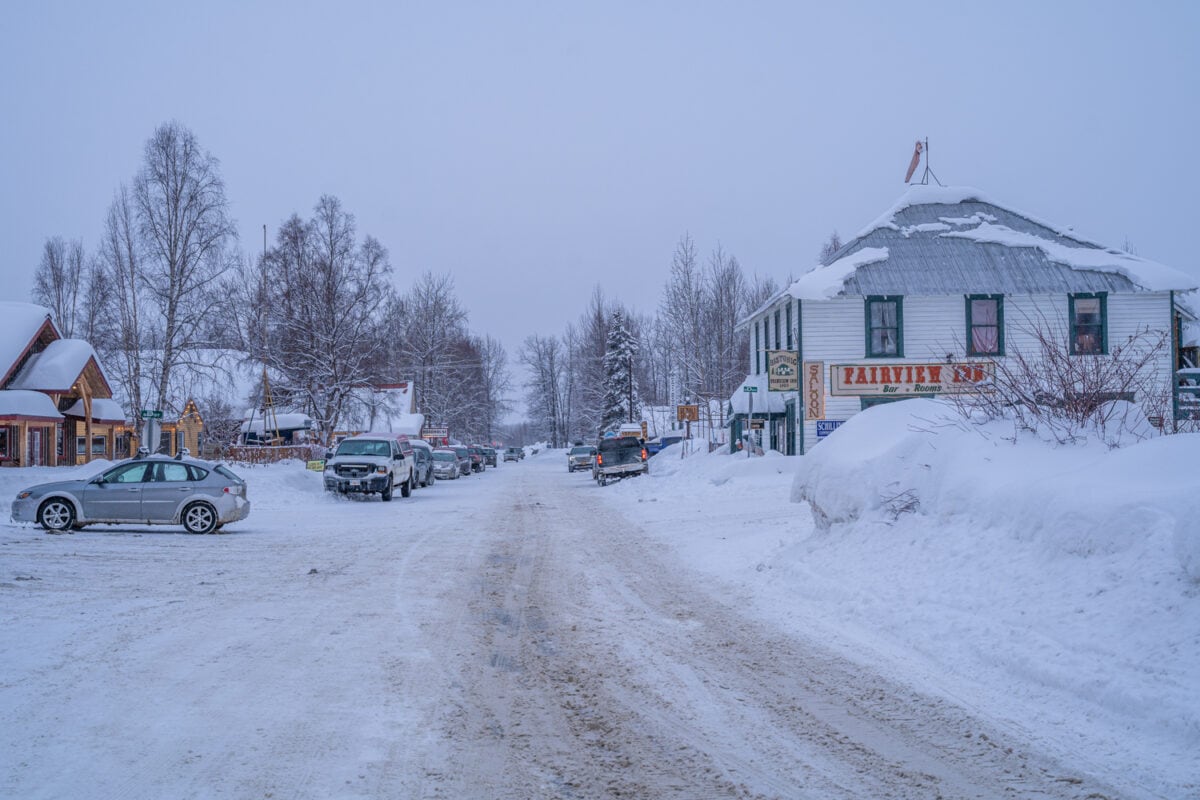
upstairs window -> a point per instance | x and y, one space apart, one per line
985 325
885 327
1088 314
778 340
789 325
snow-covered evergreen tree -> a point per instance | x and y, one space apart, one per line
621 402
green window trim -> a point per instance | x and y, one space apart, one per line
899 328
757 347
790 338
1101 329
999 351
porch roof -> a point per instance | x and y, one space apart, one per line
23 404
103 410
765 402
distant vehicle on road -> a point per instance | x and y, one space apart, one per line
422 462
661 443
580 457
489 456
446 465
464 459
200 495
512 454
478 464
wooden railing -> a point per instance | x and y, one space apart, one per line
253 454
1187 394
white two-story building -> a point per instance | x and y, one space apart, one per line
924 301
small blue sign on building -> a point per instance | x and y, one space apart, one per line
827 426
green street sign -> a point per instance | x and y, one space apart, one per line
751 389
151 414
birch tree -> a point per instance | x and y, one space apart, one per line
185 234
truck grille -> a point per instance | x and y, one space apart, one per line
353 470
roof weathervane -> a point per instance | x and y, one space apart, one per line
921 147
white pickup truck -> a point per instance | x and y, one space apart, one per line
368 465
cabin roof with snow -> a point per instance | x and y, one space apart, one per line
941 240
22 325
59 366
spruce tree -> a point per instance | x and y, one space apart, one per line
621 402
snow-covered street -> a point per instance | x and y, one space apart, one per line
517 634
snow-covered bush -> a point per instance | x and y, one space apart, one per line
927 459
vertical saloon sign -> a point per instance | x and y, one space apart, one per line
908 378
783 371
814 390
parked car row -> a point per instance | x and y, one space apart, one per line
379 463
203 496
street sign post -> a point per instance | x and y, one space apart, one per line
751 390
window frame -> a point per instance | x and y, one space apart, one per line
790 337
778 336
757 347
884 298
999 298
1072 341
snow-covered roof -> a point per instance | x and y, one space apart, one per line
286 421
27 404
765 402
103 410
19 323
387 408
55 368
938 240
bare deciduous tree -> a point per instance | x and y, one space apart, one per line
59 282
185 234
324 312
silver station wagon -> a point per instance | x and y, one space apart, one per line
154 490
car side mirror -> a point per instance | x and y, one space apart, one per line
328 454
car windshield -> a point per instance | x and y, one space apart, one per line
363 447
441 456
581 451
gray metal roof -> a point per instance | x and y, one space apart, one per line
923 260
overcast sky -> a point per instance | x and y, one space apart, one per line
533 150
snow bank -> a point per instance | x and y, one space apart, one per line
923 457
1051 588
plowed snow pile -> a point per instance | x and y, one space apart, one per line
1054 587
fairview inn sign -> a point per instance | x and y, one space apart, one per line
908 378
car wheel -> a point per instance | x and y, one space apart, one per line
56 514
199 518
386 494
406 487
